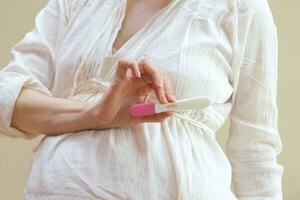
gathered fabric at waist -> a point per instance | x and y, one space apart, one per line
92 90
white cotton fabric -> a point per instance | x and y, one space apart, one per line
223 49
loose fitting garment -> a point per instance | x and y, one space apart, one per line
223 49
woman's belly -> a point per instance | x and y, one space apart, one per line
172 160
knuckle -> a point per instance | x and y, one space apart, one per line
144 61
121 62
162 93
161 90
167 88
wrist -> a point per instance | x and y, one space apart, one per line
94 118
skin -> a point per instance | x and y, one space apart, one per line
36 113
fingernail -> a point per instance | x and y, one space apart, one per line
138 73
171 97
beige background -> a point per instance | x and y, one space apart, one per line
17 18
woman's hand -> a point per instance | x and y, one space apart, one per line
127 89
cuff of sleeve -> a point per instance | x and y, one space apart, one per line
260 184
10 91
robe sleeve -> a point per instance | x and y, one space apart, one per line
32 63
254 142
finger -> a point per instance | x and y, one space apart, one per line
147 68
161 94
169 90
157 78
143 94
139 83
123 66
147 79
135 69
156 118
116 91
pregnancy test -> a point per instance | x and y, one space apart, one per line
144 109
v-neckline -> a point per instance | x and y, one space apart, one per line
115 52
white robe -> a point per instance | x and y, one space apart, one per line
223 49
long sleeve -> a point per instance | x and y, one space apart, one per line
32 63
254 142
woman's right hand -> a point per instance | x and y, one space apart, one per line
127 89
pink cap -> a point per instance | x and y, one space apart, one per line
142 109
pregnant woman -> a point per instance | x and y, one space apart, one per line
75 75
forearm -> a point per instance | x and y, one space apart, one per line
37 113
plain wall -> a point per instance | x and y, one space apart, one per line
17 18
